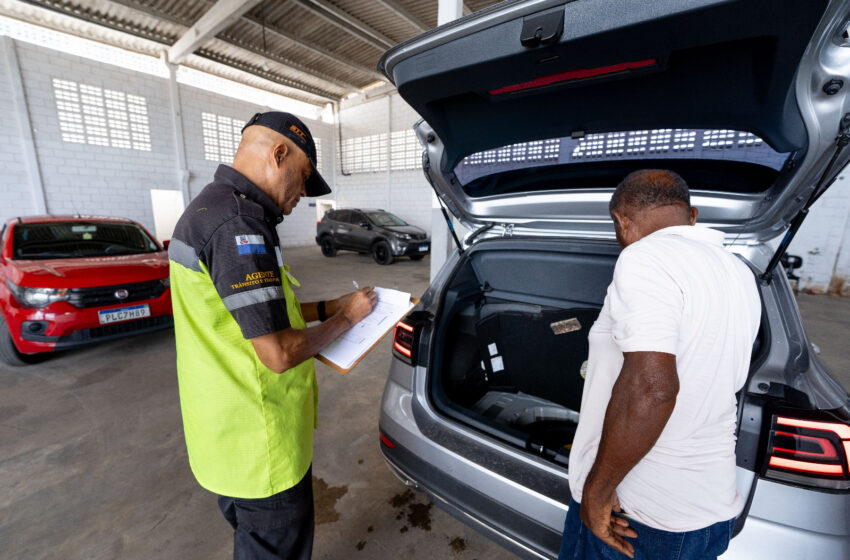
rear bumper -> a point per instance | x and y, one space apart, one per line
509 513
789 522
399 460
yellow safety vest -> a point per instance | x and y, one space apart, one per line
249 430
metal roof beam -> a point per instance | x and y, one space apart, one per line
347 23
147 34
316 49
270 76
404 14
226 39
244 45
220 16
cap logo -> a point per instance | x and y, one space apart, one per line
299 132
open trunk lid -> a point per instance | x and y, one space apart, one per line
533 111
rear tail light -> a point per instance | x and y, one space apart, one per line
403 341
407 333
809 452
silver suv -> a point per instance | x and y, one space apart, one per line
533 111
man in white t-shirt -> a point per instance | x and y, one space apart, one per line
652 467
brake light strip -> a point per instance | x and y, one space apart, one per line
571 75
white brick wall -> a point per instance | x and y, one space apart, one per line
824 241
15 194
96 179
405 193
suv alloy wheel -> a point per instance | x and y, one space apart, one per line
328 246
382 253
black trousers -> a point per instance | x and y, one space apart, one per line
273 528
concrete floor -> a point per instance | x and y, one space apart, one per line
93 463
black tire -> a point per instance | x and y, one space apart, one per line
9 354
328 246
382 253
417 257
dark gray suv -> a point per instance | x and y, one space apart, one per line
378 232
533 112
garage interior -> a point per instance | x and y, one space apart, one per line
125 108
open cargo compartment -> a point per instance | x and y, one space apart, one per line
511 350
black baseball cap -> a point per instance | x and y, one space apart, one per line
291 126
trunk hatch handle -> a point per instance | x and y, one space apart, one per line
543 28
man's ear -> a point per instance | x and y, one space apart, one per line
620 220
694 214
280 152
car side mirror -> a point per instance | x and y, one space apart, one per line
791 262
166 243
365 225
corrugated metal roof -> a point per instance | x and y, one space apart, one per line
318 50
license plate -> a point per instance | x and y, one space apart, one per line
124 314
423 248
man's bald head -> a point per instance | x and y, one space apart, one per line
274 164
649 200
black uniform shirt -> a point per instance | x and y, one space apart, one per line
230 228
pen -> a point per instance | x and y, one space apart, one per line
356 285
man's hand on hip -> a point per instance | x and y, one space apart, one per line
596 513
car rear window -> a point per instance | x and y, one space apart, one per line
615 147
66 240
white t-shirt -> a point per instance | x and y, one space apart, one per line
677 291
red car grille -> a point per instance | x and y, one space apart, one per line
105 295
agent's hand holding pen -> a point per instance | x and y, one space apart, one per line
357 305
284 349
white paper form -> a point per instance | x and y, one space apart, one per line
347 349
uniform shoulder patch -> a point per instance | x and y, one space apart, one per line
250 245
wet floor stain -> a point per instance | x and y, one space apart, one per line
360 545
402 499
457 545
325 498
419 516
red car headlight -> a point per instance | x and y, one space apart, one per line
36 297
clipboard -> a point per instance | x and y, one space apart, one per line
336 367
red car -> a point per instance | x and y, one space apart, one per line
67 281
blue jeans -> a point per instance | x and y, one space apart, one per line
579 543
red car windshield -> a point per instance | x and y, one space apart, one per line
68 240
